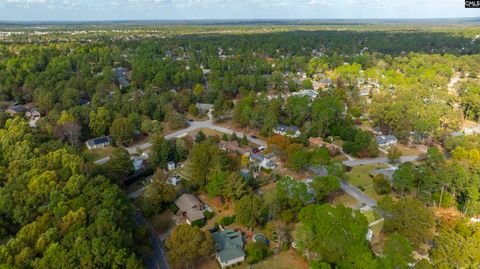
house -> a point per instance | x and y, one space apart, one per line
472 130
289 131
16 109
204 108
386 140
262 161
170 166
325 82
311 94
318 142
233 146
121 77
97 143
33 113
229 247
190 207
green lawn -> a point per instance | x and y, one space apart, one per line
360 175
96 154
371 216
344 199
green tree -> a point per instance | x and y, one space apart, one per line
335 235
100 121
157 195
122 130
323 186
161 152
206 158
248 210
187 245
408 217
381 184
256 251
119 166
404 177
397 252
394 154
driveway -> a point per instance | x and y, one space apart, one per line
194 125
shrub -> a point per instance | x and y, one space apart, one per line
208 214
199 223
381 184
225 221
174 208
256 252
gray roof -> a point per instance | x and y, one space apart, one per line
385 139
321 171
17 108
285 128
257 157
229 245
98 141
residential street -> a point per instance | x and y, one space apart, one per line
378 160
159 259
194 125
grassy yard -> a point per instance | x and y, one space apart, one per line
360 175
284 260
406 151
344 199
371 216
96 154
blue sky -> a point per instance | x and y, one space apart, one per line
229 9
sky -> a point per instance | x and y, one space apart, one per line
53 10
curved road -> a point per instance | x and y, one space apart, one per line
194 125
158 260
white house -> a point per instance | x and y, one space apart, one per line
289 131
97 143
386 140
262 161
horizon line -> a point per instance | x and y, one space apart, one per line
239 20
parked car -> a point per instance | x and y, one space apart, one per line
255 150
261 148
254 136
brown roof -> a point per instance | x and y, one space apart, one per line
190 205
233 146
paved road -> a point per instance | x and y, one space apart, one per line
357 194
158 260
136 193
378 160
194 125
